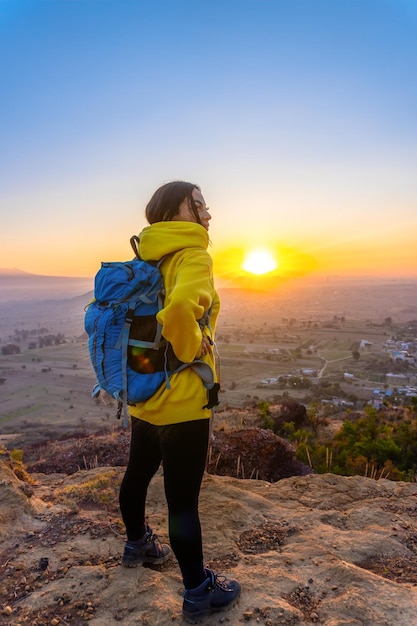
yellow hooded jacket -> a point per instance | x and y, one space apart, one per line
189 291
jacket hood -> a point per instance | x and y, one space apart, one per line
162 238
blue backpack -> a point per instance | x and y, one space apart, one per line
129 356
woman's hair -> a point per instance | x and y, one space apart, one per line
166 200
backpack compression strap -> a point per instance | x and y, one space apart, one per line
123 342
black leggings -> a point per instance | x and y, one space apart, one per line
182 448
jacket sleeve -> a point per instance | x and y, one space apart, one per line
190 293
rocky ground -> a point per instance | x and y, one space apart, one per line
307 549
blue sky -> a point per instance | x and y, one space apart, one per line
296 117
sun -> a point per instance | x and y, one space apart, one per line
259 261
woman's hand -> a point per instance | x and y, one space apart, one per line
205 346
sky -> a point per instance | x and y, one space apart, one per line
297 118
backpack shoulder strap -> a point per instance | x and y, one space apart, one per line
134 242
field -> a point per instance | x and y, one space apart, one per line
307 331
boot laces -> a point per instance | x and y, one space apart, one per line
154 540
220 581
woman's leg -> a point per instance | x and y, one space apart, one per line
144 461
184 452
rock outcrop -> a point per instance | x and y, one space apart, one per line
309 549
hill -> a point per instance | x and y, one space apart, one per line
17 286
319 549
13 271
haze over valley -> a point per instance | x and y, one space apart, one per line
269 343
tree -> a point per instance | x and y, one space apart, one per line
265 414
294 412
314 417
10 348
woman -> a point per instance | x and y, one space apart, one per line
172 427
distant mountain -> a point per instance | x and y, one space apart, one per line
17 285
14 271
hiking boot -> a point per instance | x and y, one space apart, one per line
216 593
148 549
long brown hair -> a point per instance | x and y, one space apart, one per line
166 200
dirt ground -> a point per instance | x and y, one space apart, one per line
307 549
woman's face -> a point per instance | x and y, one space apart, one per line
185 212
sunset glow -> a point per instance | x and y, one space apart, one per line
303 148
259 262
267 266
